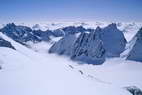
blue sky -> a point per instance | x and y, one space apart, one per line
70 10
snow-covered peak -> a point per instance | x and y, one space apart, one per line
36 27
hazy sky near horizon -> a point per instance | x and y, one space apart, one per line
70 10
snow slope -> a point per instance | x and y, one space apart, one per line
115 71
26 72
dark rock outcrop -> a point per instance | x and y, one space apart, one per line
113 40
134 90
4 43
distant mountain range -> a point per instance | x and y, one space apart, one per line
83 44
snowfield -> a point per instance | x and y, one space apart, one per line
35 72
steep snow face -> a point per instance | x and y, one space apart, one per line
129 29
26 72
113 40
136 53
128 48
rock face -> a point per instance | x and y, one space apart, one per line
64 46
4 43
19 33
43 35
113 40
92 47
134 90
89 48
86 48
136 52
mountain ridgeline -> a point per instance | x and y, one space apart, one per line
90 46
23 34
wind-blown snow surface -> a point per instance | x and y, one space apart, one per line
116 72
25 72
